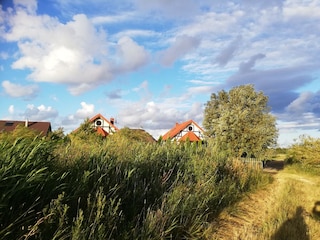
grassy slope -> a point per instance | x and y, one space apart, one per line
287 209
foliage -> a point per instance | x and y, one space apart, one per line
93 188
85 134
306 151
58 135
240 122
27 179
19 132
132 135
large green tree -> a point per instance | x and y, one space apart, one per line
239 121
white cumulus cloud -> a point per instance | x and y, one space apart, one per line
11 109
18 90
40 113
75 53
132 56
86 110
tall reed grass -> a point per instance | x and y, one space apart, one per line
115 189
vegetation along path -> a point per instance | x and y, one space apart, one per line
289 208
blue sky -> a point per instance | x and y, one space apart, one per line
150 64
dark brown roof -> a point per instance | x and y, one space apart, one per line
41 127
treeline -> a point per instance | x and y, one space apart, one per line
81 186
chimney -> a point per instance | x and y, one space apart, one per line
26 124
112 120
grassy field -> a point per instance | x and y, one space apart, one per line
289 208
85 187
82 188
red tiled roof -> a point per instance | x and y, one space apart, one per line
176 129
101 131
190 136
43 128
180 127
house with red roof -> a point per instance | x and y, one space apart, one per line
188 130
103 126
42 128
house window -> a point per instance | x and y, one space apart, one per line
98 122
8 124
190 128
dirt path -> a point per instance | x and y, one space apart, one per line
287 209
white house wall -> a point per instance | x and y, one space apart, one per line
197 131
104 125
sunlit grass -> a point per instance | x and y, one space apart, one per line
115 189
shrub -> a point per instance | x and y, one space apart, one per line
305 151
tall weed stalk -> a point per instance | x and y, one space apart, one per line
114 189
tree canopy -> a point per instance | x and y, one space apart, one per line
239 121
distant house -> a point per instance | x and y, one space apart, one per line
188 130
103 126
43 128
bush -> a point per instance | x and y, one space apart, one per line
305 151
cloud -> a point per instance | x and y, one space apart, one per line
170 9
306 102
132 56
96 8
157 117
29 5
75 53
247 66
11 109
70 122
134 33
115 94
210 25
86 110
40 113
278 84
227 54
149 115
68 53
18 90
262 4
271 44
73 121
4 55
111 19
201 90
143 86
302 12
181 46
